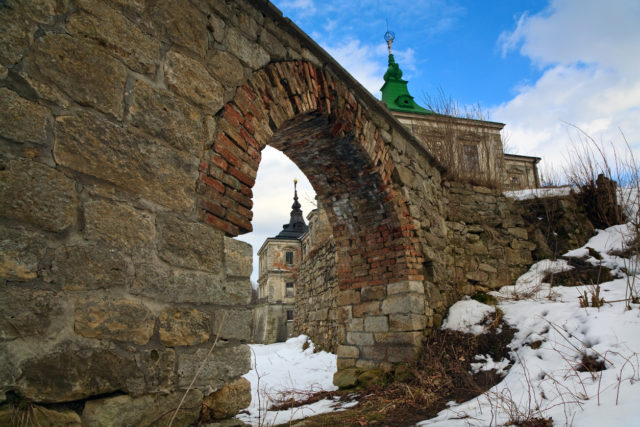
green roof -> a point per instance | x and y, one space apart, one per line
395 93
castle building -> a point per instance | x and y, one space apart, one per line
280 259
471 150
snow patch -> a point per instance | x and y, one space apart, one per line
468 316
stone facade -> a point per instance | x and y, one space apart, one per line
316 312
273 315
470 149
520 172
130 137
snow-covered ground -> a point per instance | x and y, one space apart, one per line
284 370
554 335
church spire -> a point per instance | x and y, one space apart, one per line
395 93
296 227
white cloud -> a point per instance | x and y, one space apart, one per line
588 53
273 197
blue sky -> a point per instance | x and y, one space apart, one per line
534 65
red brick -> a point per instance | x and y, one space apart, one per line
212 182
243 223
212 207
242 176
221 224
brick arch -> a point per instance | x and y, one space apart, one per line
312 117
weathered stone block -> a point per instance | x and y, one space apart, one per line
224 364
518 232
73 374
406 338
228 401
227 68
373 293
189 286
238 258
86 72
403 304
163 115
237 323
17 33
376 324
407 322
183 326
360 338
346 378
120 320
120 36
185 25
27 312
87 267
20 251
39 416
248 52
22 120
190 244
348 351
405 286
119 225
190 79
158 367
372 377
130 160
348 297
366 308
37 194
144 410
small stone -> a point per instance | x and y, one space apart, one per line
228 401
37 194
183 326
120 320
22 120
376 324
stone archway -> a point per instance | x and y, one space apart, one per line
317 122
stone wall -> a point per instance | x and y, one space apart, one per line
316 311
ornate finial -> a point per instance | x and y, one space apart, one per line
389 37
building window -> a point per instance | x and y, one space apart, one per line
289 315
289 289
471 160
289 257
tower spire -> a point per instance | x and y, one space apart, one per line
296 227
395 93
